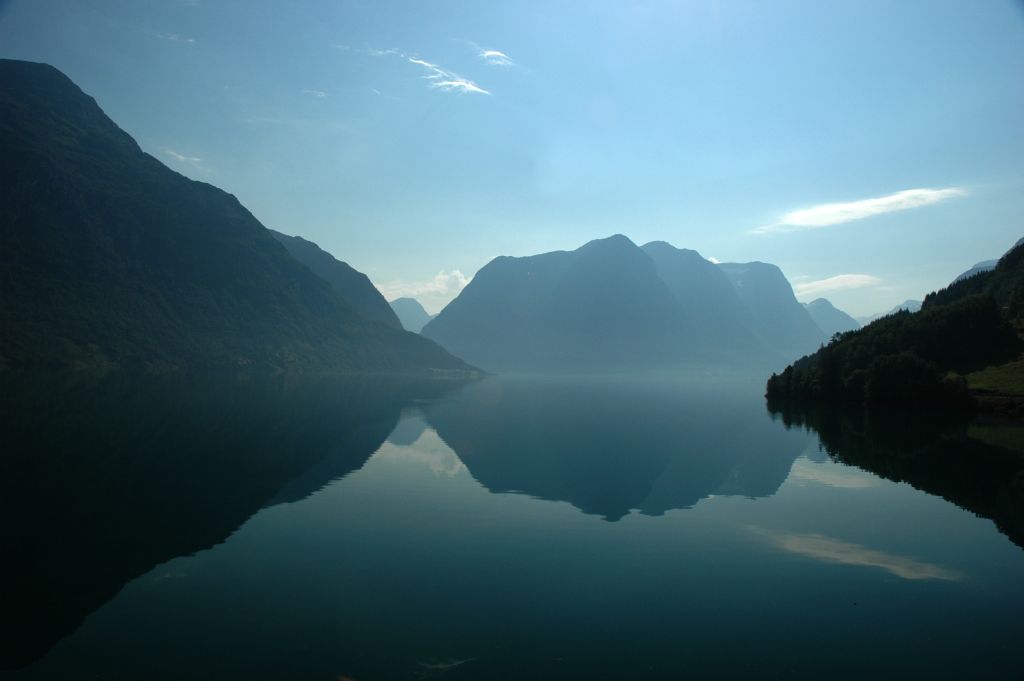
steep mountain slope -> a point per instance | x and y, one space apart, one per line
830 319
352 285
410 313
107 257
707 297
772 312
602 305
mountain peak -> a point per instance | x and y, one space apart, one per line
615 241
410 313
154 269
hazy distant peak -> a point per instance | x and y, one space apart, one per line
907 305
830 319
656 247
410 313
615 241
755 273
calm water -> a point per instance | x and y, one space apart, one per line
506 529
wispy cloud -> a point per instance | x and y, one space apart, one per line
439 77
828 214
433 293
182 158
829 550
840 282
495 58
446 80
175 38
319 94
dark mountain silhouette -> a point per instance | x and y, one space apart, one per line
602 305
772 312
919 358
107 257
716 315
830 319
411 314
354 286
110 477
612 447
906 306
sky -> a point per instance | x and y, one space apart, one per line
873 150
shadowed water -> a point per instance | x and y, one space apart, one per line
324 529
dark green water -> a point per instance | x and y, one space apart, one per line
506 529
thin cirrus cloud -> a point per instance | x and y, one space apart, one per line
439 77
446 80
496 58
828 214
839 282
182 158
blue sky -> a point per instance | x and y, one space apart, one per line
872 150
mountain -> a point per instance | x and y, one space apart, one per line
350 284
905 306
410 313
984 266
771 311
706 296
107 257
612 305
602 305
829 318
977 268
919 359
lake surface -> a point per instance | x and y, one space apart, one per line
504 529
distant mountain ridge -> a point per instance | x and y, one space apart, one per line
985 265
905 306
612 304
773 312
830 319
410 313
109 258
602 305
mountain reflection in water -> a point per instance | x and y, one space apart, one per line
282 527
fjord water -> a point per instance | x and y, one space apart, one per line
506 528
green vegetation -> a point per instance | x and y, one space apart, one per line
1007 379
922 358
